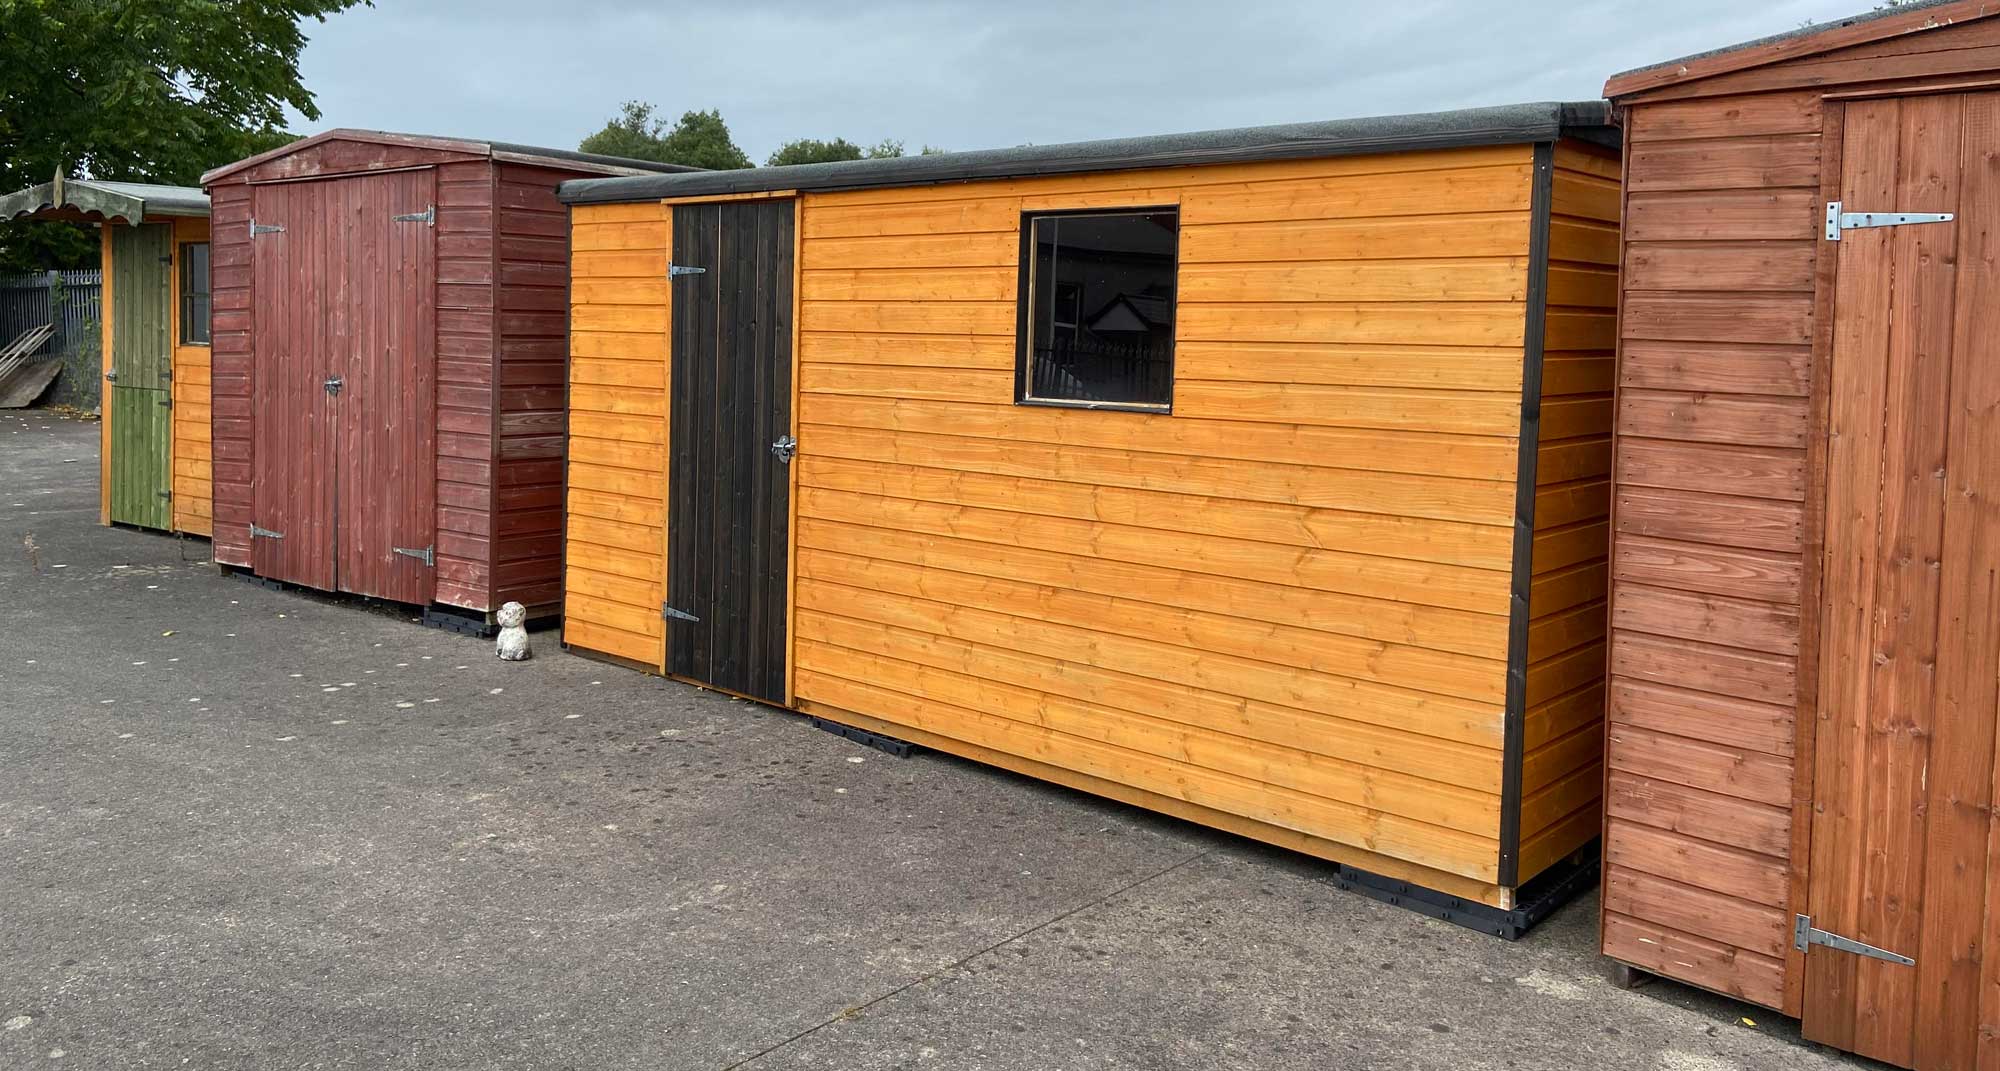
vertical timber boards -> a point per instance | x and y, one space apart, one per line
1902 852
614 548
193 455
729 513
1709 543
140 402
1288 601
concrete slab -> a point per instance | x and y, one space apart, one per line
243 828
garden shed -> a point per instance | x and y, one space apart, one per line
1801 793
1257 476
389 367
154 456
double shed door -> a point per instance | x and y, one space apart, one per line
1905 851
730 448
141 385
345 358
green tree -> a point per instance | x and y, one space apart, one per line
815 151
140 90
699 139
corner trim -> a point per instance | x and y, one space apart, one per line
1513 734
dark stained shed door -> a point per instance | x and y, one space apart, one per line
729 492
141 450
1905 845
292 531
382 325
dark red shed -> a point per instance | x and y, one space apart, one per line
389 365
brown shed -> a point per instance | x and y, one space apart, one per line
389 366
1801 759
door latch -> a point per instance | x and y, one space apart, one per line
784 448
333 385
1804 934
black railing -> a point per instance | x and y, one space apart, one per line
1102 370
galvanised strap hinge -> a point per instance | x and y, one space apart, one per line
425 555
1804 934
166 403
1838 221
672 614
675 271
257 228
428 217
264 532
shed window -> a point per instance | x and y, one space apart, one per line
194 294
1097 308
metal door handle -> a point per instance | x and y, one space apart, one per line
333 384
784 449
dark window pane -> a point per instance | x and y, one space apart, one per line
1101 308
194 294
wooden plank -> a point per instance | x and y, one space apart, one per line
1796 112
1746 623
1717 570
1725 266
1723 215
1499 188
1749 471
1710 766
1759 879
1757 928
1686 317
1451 412
1708 816
1749 163
1381 323
1719 520
1707 667
1696 960
1500 234
1710 368
1463 279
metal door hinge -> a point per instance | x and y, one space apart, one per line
672 614
165 494
425 555
784 448
675 271
428 217
266 533
1804 934
1838 221
166 403
257 228
333 385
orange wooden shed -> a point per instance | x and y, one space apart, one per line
1801 754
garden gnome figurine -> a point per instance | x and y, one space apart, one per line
513 632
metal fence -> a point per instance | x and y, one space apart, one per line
71 302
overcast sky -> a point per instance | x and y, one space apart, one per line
965 75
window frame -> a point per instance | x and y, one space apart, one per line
1024 316
182 268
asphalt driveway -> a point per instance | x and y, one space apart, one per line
244 828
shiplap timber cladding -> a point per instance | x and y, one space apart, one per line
193 457
1741 525
1284 608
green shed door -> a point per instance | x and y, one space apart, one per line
140 481
142 264
141 338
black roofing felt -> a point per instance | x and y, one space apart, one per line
590 158
1506 125
1809 29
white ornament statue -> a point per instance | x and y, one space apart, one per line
513 644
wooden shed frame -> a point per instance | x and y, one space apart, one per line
1725 458
495 364
177 497
926 342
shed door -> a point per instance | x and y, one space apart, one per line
291 535
385 346
1904 837
729 491
141 397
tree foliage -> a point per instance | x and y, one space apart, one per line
699 139
815 151
140 90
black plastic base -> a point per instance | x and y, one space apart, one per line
1535 901
902 749
464 622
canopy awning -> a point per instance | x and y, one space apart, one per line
97 201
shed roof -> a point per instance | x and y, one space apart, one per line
1919 16
499 150
1504 125
99 201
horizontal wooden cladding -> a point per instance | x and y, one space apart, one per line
1715 767
1749 574
1755 472
1708 667
615 512
1724 215
1718 520
1690 416
1721 266
1712 368
1712 965
1735 117
1706 317
1756 162
1757 928
1692 812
